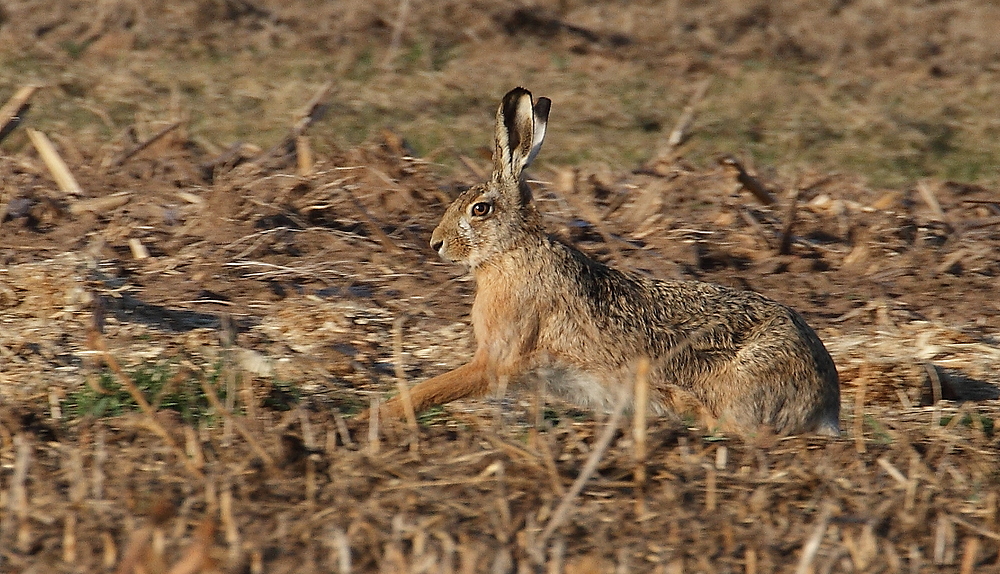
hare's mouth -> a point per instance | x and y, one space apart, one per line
447 255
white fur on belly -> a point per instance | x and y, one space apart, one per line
578 387
590 391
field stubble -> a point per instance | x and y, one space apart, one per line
296 292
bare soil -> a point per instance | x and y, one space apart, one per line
300 292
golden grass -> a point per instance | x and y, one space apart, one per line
324 270
894 92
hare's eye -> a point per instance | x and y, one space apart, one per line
481 209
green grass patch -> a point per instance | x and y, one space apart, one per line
431 416
282 396
159 384
971 420
880 435
167 389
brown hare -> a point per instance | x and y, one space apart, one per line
544 308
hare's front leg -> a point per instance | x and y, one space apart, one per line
469 380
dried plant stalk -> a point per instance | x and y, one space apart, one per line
11 113
97 465
138 250
373 434
859 414
927 194
342 546
136 149
136 551
750 561
749 182
969 554
985 533
474 168
944 540
342 430
811 547
109 551
711 490
404 390
313 112
57 167
193 446
721 457
213 398
640 411
374 226
785 244
196 558
77 493
303 153
501 391
18 502
309 440
228 520
100 205
680 131
562 511
397 34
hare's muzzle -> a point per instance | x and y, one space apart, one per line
437 241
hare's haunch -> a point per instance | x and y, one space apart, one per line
543 308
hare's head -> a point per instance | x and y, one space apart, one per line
492 217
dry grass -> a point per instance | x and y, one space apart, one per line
279 296
893 91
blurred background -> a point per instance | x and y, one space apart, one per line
892 91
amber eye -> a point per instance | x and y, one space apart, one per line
481 209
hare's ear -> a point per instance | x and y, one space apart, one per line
520 130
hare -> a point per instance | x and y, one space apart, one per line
543 308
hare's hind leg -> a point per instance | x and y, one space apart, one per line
780 380
786 384
466 381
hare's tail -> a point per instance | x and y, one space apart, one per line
828 428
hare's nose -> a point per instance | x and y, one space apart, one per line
436 245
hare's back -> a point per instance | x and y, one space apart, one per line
655 315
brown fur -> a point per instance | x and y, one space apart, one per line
543 308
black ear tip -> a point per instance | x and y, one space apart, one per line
516 93
511 98
542 107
